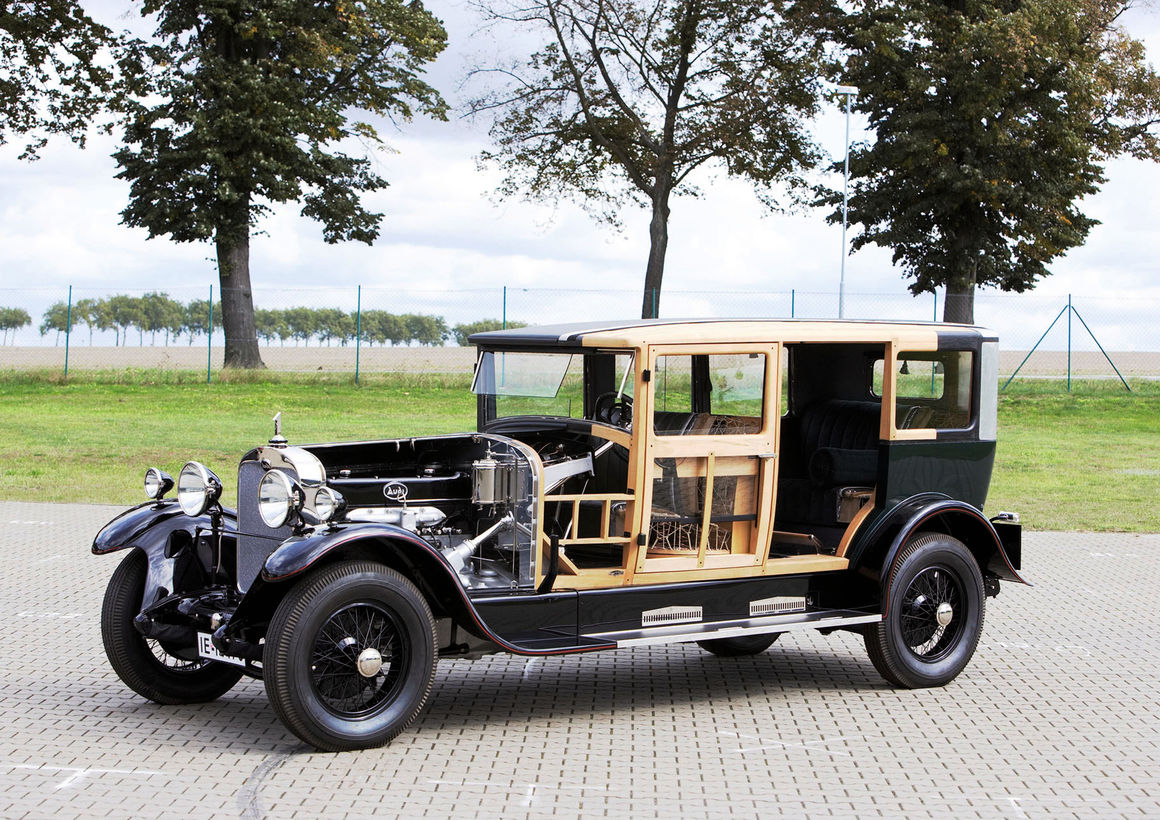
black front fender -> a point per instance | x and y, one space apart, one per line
398 548
165 534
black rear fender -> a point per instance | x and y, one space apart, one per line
998 557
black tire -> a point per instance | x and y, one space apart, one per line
144 664
934 614
740 646
329 623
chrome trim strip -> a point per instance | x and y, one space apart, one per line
687 633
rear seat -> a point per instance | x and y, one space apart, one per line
837 447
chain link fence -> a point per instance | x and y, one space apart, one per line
379 329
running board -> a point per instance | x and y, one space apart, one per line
686 632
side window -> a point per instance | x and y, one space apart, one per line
720 394
932 390
784 380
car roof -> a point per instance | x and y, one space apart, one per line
641 332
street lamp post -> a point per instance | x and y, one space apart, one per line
850 92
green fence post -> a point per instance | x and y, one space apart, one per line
504 312
1069 343
67 331
357 332
209 341
792 302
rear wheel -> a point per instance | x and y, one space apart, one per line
148 667
934 614
350 656
739 646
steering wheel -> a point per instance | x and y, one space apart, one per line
613 408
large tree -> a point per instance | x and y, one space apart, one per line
992 120
252 106
627 98
56 71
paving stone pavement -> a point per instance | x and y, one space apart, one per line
1057 715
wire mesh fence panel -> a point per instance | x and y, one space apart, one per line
353 330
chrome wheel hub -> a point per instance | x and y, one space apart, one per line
944 614
370 662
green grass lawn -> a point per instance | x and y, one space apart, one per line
1088 460
1085 460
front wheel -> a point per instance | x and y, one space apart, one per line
934 614
350 656
148 667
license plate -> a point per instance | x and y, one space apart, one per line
206 649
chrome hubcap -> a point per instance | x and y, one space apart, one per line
370 662
944 614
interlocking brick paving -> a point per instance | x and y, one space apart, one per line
1057 715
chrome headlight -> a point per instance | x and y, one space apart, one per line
279 497
197 488
157 483
328 504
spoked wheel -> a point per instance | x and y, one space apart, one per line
159 672
350 656
740 646
934 614
358 658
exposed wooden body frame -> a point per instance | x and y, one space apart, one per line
719 454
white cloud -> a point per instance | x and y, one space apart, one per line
444 237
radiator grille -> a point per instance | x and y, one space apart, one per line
671 615
777 606
255 540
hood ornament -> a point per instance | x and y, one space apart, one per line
278 440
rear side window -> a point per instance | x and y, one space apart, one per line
932 389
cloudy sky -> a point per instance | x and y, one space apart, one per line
448 247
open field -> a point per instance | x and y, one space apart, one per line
1044 363
293 359
1085 460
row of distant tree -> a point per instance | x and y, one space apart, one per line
163 318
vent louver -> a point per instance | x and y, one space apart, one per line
671 615
777 606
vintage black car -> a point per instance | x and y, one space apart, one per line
630 483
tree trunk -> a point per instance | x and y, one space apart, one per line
959 303
658 234
233 254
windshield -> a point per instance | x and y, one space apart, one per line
542 384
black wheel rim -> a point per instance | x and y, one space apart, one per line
346 636
172 662
933 614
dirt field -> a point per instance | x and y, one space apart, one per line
459 360
295 359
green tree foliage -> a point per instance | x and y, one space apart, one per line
125 312
55 71
12 319
56 318
85 312
992 119
249 100
428 331
200 316
627 98
157 312
462 331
